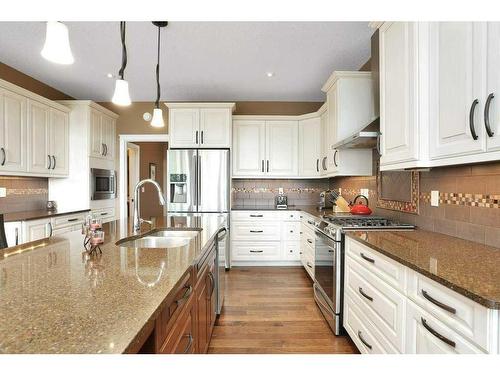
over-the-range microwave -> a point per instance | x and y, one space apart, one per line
103 183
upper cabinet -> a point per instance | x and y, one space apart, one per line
265 148
34 134
200 125
311 162
439 85
102 134
12 132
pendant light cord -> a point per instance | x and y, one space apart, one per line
121 73
157 103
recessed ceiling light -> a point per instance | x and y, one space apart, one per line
109 75
270 74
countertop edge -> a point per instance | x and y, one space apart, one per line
494 305
18 216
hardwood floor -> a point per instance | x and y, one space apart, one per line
272 310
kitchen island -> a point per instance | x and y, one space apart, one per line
56 299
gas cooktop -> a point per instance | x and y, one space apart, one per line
353 222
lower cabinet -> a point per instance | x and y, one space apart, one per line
206 301
389 308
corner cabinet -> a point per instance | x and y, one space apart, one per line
265 148
200 125
34 134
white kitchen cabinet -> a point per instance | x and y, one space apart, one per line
200 125
102 135
95 141
324 162
492 116
403 100
12 132
59 142
351 162
282 148
34 230
457 88
40 160
310 156
249 148
108 125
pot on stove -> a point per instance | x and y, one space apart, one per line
360 208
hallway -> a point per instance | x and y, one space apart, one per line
272 310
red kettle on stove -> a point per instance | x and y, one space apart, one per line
359 208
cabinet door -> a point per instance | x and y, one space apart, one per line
38 134
456 70
427 335
249 148
12 132
203 290
96 139
59 142
281 148
310 162
493 86
184 127
398 123
34 230
324 143
108 136
215 127
332 105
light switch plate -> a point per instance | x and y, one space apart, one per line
365 192
3 192
434 198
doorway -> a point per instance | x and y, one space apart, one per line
133 173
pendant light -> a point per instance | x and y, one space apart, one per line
157 120
56 47
122 95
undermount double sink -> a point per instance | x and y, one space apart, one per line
160 239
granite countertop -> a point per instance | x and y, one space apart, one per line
55 300
466 267
36 214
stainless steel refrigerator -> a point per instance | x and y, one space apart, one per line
199 182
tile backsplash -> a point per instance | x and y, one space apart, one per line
262 192
469 201
23 193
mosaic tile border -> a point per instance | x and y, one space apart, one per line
465 199
411 207
27 191
257 190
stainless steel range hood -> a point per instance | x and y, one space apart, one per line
368 136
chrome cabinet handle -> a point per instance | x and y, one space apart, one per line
366 258
310 241
256 251
364 294
471 119
190 343
17 236
185 296
487 115
50 162
324 163
309 265
4 156
202 137
54 158
437 303
311 222
317 165
268 166
378 143
212 283
363 341
335 158
102 149
104 213
256 231
437 334
74 219
105 149
50 227
256 215
262 165
197 137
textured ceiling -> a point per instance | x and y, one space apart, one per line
200 61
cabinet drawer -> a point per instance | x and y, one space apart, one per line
381 303
308 262
291 231
181 296
68 220
106 214
387 269
255 215
181 339
467 317
292 250
256 231
291 216
255 251
306 248
427 335
362 332
307 237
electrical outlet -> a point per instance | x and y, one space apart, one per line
280 191
3 192
365 192
434 198
143 189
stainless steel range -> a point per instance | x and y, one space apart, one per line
329 260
